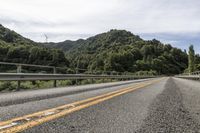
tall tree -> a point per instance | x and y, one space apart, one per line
191 59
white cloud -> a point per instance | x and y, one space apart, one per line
71 19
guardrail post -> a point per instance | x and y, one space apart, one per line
199 75
111 74
19 70
77 71
54 82
92 80
103 75
18 85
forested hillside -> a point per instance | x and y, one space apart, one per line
121 51
116 50
15 48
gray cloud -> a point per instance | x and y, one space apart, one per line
76 19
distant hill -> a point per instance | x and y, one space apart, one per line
101 40
66 45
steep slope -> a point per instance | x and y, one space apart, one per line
10 36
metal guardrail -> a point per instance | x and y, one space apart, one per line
54 68
193 75
40 76
21 64
32 76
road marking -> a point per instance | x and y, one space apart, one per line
7 126
48 113
28 121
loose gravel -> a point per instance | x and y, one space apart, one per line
167 114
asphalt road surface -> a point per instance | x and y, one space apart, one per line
165 105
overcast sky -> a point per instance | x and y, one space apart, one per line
171 21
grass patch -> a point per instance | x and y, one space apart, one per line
25 85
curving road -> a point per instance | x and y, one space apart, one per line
141 106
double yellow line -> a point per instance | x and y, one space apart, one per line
28 121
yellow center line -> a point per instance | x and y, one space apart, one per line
28 121
60 107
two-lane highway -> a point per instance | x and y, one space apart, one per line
153 105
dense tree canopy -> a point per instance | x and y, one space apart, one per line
121 51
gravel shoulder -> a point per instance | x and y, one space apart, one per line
169 114
190 90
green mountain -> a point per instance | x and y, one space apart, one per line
122 51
